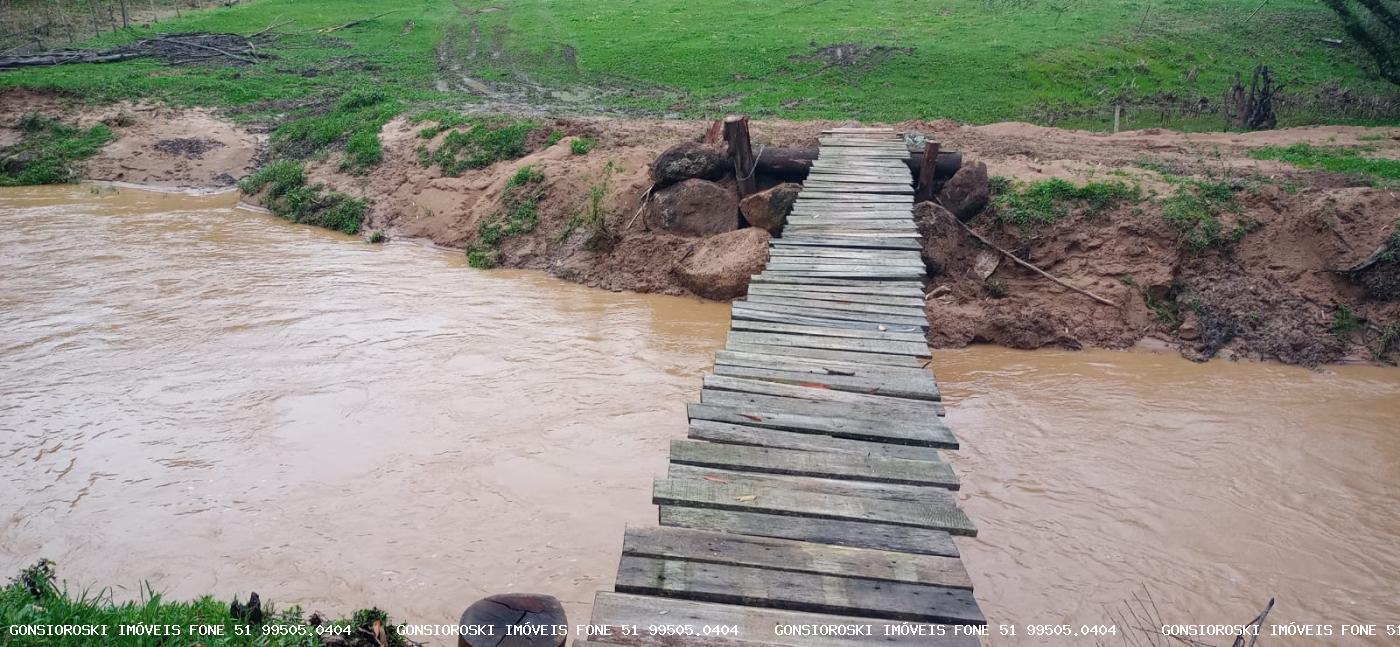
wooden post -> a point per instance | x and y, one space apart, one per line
923 191
736 132
1117 117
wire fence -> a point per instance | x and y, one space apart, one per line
33 25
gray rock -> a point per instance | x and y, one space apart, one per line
769 209
968 192
690 161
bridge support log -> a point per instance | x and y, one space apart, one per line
736 132
923 189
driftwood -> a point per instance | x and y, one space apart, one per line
354 23
1033 268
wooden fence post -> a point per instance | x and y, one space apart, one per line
736 132
923 191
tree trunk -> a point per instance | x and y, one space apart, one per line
126 18
736 132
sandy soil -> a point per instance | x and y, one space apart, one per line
1272 296
155 145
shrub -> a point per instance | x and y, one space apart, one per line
289 196
581 145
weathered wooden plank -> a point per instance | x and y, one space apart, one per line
912 285
852 205
841 467
838 197
688 544
921 388
751 311
727 583
754 624
830 241
823 366
858 175
766 500
906 310
915 412
857 271
745 313
875 536
819 486
860 405
862 189
723 432
912 260
912 289
838 214
874 254
803 417
836 297
913 349
789 329
868 224
826 354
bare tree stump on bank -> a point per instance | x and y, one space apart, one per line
519 610
1252 110
736 132
923 190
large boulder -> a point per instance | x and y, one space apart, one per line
719 267
690 161
967 193
769 209
694 208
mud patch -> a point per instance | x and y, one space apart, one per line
188 147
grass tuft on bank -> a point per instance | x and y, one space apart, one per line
519 214
1046 201
290 196
36 598
50 151
1337 159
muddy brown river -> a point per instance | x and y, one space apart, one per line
216 401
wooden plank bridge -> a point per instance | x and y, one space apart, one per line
811 492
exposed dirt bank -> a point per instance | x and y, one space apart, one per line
1272 293
154 145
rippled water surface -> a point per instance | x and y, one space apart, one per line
216 401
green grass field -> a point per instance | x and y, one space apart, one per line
971 60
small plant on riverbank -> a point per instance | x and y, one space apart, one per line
289 196
49 152
1046 201
1338 159
352 124
1344 323
593 216
35 598
519 214
1196 209
581 145
479 146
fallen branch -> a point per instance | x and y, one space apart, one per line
1033 268
361 21
645 197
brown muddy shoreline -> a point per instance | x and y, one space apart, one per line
1272 296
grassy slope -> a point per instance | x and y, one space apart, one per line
972 60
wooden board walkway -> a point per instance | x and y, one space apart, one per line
811 490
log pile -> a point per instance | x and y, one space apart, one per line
170 49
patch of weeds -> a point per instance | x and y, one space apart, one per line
519 214
1344 323
593 217
442 120
479 146
35 597
289 196
352 124
1389 336
1195 212
997 288
378 236
1046 201
1338 159
554 137
581 145
49 152
1167 311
